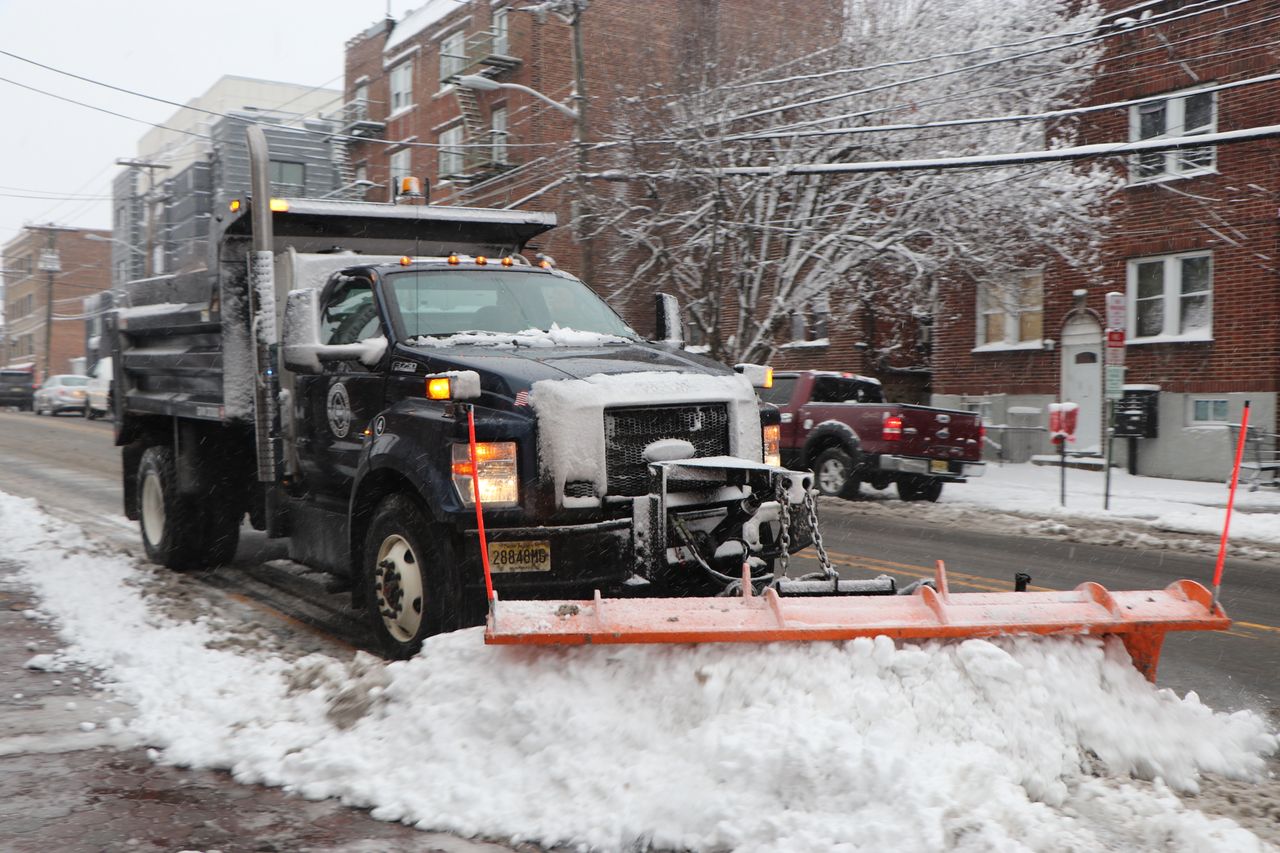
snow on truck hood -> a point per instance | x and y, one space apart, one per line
570 413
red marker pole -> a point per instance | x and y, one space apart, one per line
1231 500
475 489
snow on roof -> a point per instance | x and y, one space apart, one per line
419 19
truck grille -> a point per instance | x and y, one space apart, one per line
627 432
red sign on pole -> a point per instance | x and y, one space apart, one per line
1115 346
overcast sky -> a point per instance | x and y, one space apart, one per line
65 154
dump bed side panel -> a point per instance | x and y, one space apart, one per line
167 335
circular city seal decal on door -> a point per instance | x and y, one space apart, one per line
338 407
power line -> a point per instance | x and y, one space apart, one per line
973 67
1079 152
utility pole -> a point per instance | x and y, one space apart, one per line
574 16
50 265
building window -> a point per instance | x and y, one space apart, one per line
1208 411
288 178
402 86
1184 115
401 166
1171 298
453 57
451 162
498 122
1012 312
809 323
499 29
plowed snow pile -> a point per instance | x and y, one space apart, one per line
1010 745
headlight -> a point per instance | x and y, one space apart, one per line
496 468
773 445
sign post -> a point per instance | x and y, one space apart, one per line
1113 364
1062 428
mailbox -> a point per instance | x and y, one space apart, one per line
1137 412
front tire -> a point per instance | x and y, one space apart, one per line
408 577
833 473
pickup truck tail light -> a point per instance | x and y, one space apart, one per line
892 429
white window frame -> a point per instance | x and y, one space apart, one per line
989 303
1171 300
498 134
1213 402
400 80
811 324
1175 163
400 165
453 50
450 156
500 27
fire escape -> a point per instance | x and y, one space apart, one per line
352 120
484 152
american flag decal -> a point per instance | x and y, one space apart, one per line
522 398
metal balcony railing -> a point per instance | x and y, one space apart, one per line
487 48
354 119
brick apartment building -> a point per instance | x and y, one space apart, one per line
514 149
1192 246
55 263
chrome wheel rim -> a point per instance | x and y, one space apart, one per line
152 509
832 476
398 588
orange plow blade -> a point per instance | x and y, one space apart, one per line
1140 618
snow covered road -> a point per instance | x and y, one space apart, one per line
1016 745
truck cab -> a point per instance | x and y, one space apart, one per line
388 386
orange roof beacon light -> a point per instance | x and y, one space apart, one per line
481 260
408 187
508 262
405 260
453 260
235 205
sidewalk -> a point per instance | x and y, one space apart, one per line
1181 514
71 785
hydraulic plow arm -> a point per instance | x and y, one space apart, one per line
1140 618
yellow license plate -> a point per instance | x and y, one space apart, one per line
939 466
519 556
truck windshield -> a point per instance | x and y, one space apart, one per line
438 303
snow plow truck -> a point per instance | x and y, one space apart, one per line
463 436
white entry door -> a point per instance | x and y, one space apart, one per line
1082 379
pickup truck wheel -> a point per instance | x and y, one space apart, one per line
833 473
405 579
173 530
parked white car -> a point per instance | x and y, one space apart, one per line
64 392
97 401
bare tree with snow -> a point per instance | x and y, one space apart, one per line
745 254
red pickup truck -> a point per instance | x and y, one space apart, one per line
839 426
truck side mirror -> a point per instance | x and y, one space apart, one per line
667 328
303 351
302 331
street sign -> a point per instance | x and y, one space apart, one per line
1114 381
49 261
1117 313
1115 347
